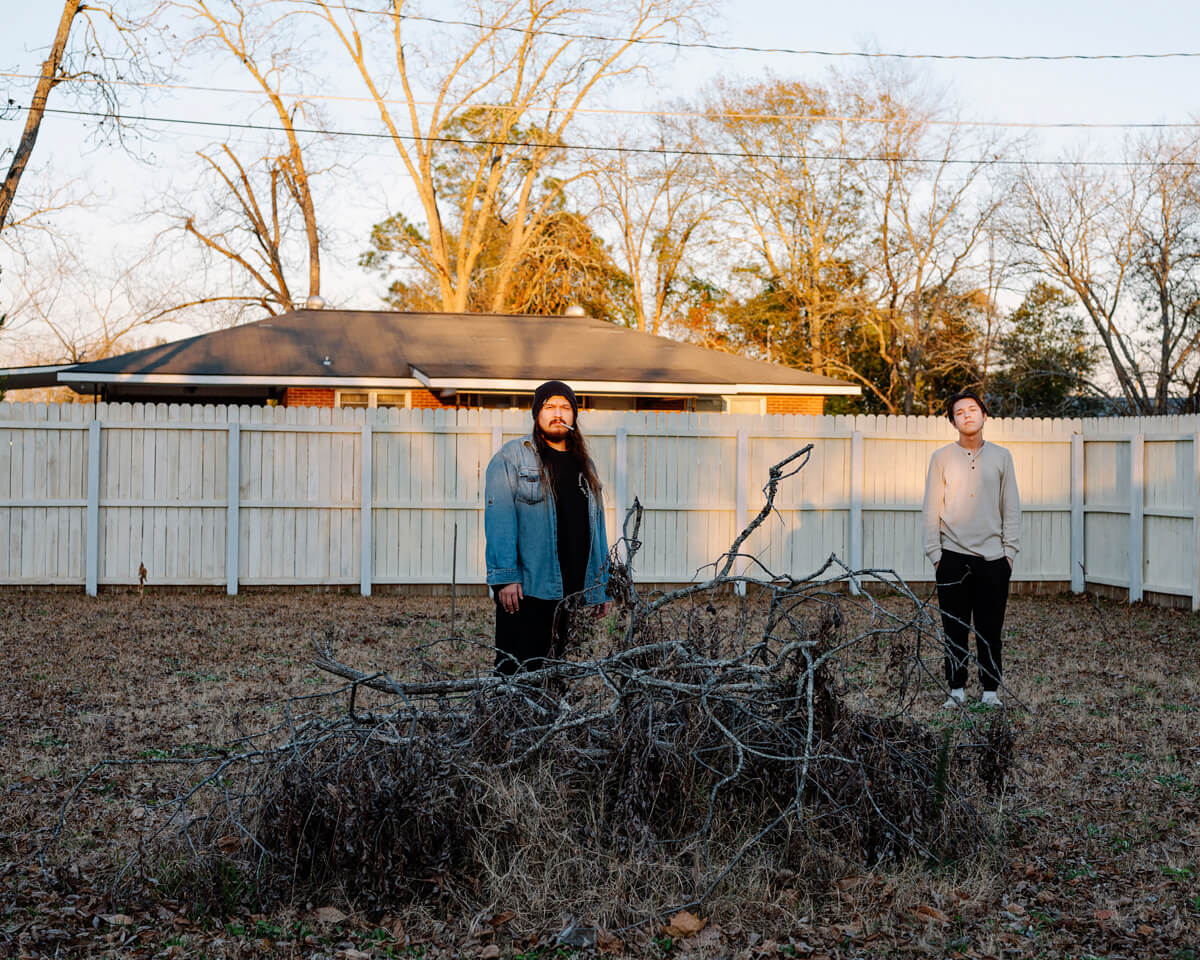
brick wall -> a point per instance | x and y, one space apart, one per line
308 397
803 403
423 399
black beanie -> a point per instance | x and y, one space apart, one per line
553 388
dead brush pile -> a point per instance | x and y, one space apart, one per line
681 759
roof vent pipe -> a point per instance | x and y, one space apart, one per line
314 303
575 310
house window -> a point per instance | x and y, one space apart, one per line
491 401
745 404
666 404
374 398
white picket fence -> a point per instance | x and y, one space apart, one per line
274 495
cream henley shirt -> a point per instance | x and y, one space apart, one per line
971 503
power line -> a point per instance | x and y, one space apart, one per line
605 148
674 114
600 148
739 48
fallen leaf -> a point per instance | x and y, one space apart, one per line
329 915
490 952
684 924
931 913
350 953
501 919
1016 910
1103 915
607 943
1144 930
395 927
229 843
117 919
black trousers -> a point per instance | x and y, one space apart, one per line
526 638
973 590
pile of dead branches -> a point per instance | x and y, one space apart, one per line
684 747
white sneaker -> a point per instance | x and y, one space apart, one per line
958 696
991 698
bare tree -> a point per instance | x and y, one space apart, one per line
496 106
659 206
1167 274
31 231
92 41
1128 247
259 203
248 226
932 207
52 75
69 311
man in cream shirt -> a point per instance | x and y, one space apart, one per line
972 533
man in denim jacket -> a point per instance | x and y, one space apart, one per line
544 522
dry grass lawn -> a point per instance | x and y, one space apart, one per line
1101 858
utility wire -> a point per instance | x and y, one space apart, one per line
674 114
739 48
603 148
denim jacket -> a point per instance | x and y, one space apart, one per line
521 526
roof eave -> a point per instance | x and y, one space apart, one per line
640 387
211 380
28 378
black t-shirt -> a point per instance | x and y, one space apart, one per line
571 507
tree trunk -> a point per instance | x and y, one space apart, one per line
46 82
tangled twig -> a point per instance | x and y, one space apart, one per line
692 733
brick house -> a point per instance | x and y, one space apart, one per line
360 358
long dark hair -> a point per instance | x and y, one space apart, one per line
576 447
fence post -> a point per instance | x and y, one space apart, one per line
741 486
92 540
367 522
1196 521
1077 559
233 493
1137 506
856 507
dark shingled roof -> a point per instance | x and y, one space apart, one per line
371 344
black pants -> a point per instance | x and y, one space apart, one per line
972 589
525 638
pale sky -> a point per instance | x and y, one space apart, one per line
126 190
